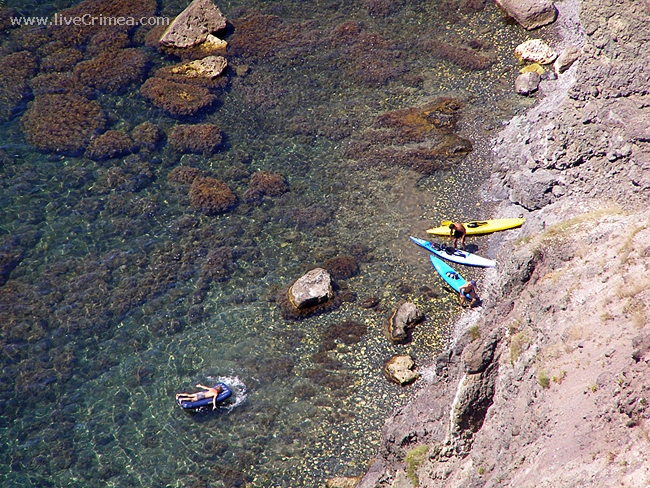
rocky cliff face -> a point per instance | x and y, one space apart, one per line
549 384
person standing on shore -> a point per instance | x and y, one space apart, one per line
458 232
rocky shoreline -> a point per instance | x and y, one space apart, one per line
547 385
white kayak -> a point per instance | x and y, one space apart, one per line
455 255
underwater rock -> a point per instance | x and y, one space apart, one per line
309 217
61 122
405 318
474 56
146 136
107 40
211 196
535 51
111 144
51 83
421 138
257 35
527 83
382 8
263 183
399 369
79 34
17 69
208 67
176 98
366 56
313 288
216 266
6 15
195 138
112 71
12 252
370 302
192 25
61 60
348 332
341 267
184 174
530 14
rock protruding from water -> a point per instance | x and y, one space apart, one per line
208 67
193 25
406 317
530 14
399 369
311 289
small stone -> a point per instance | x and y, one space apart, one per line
527 83
567 57
535 51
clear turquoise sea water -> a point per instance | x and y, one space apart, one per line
104 317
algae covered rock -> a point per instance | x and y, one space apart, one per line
62 122
399 369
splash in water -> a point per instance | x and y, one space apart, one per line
238 388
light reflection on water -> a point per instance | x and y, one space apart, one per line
109 417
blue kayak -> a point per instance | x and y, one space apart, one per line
206 402
454 255
447 273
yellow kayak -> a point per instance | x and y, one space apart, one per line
478 227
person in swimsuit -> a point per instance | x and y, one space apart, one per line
468 288
458 232
195 397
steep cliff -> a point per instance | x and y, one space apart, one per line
548 384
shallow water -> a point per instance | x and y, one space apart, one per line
104 316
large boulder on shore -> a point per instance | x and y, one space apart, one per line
193 25
530 14
311 289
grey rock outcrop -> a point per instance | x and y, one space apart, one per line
311 289
530 14
193 25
